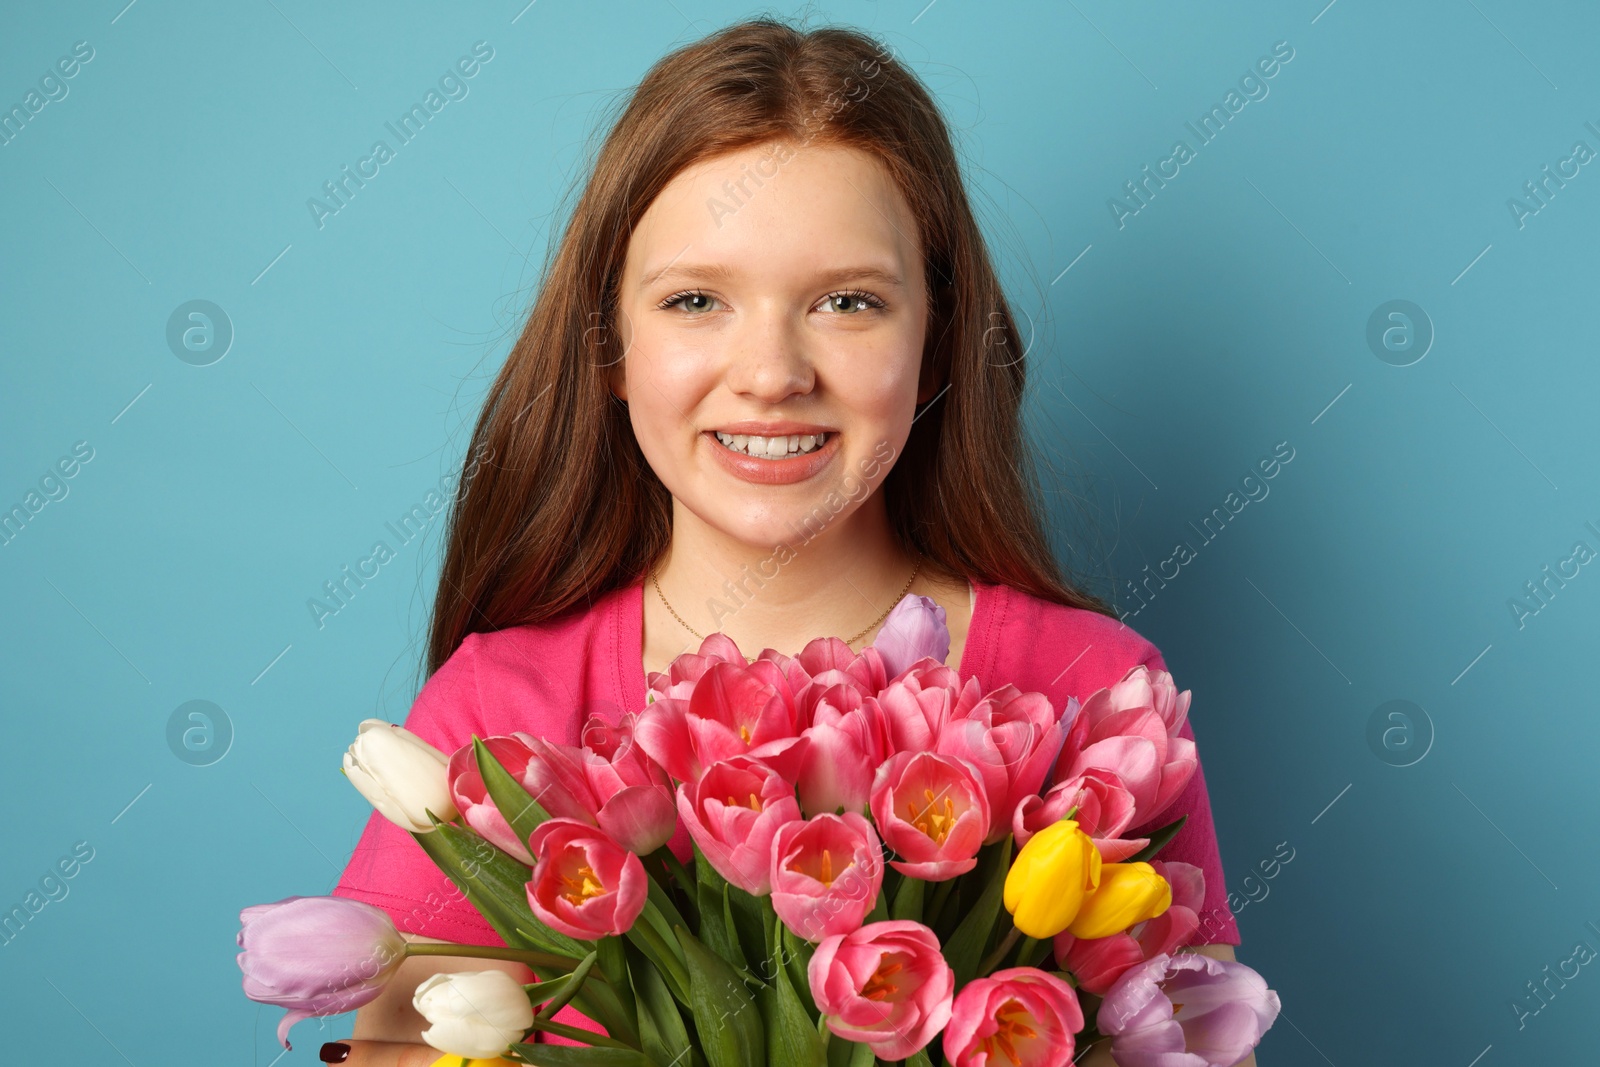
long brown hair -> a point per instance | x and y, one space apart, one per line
566 508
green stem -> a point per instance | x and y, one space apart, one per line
679 871
993 959
532 957
574 1033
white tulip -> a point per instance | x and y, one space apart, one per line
475 1014
400 774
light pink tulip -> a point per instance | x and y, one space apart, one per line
1013 739
1132 728
733 812
732 710
317 955
915 628
1104 809
841 749
826 873
584 884
1186 1010
932 811
1097 963
472 799
885 985
1020 1017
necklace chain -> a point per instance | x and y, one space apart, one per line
851 641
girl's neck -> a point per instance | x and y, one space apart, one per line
839 582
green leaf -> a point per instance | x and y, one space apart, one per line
908 900
860 1055
580 1056
1157 839
752 922
716 923
918 1058
522 811
964 950
496 884
613 960
662 1034
725 1014
797 955
558 992
792 1037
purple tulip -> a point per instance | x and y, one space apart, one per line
1186 1010
914 629
316 955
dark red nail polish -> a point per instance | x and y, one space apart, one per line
334 1052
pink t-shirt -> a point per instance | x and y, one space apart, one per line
547 678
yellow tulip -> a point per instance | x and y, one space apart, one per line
1054 872
458 1061
1128 893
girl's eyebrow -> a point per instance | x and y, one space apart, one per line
721 273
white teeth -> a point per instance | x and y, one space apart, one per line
772 447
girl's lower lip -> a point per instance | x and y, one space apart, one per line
773 471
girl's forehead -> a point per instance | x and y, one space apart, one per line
761 207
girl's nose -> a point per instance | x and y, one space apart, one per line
768 360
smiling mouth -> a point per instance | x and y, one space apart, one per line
772 448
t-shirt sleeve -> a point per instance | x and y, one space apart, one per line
1196 843
388 869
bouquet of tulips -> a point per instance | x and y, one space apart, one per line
882 864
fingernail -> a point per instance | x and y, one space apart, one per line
334 1052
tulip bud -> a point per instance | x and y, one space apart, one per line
316 955
474 1014
400 774
1047 884
1128 893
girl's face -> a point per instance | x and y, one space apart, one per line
773 292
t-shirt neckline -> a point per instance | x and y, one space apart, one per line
628 638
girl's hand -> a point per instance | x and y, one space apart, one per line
382 1054
398 1054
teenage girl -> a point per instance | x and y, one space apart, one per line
769 386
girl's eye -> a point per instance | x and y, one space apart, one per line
692 299
851 302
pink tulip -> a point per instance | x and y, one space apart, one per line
1097 963
732 710
885 985
915 628
733 812
1104 809
472 799
1021 1017
584 884
827 661
1132 728
917 704
932 811
316 955
681 674
1186 1010
841 749
634 795
1013 739
826 873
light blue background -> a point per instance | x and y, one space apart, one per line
1228 315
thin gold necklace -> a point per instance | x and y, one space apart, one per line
852 640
